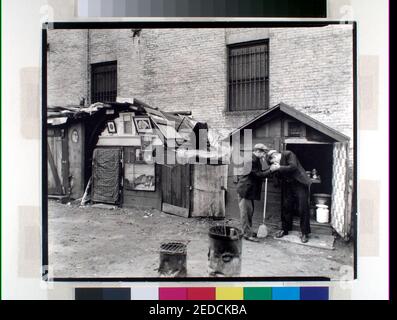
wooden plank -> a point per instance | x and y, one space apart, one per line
208 195
177 185
165 183
116 141
208 204
178 211
65 162
54 170
142 202
188 179
182 184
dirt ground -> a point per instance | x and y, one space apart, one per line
97 242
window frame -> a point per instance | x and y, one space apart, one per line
93 66
229 47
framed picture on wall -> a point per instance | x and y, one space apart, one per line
143 124
139 177
111 127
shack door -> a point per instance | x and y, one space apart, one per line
339 202
106 175
175 186
58 162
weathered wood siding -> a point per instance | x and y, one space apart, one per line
208 190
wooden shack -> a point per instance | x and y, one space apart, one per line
133 155
316 145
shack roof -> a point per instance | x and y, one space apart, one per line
174 128
298 115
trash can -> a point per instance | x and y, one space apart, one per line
224 253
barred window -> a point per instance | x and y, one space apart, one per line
104 82
248 76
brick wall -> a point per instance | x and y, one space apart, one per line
311 69
66 67
185 69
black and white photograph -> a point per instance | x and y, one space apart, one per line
142 124
111 127
201 152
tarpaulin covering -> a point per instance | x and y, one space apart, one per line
106 175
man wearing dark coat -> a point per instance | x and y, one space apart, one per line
296 184
249 188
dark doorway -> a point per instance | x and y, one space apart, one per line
319 157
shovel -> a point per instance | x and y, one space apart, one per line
262 231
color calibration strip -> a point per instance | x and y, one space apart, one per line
204 293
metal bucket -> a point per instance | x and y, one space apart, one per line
224 253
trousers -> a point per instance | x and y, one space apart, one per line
295 199
246 207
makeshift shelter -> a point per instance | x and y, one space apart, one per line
316 145
136 155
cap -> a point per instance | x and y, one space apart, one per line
270 153
260 146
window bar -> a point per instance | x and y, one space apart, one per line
267 76
246 107
264 80
233 64
231 74
249 79
254 77
228 78
240 77
233 79
244 79
260 79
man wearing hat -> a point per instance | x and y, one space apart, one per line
296 184
249 188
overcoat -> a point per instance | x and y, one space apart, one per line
291 169
250 182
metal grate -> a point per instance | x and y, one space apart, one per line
248 76
104 82
173 248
